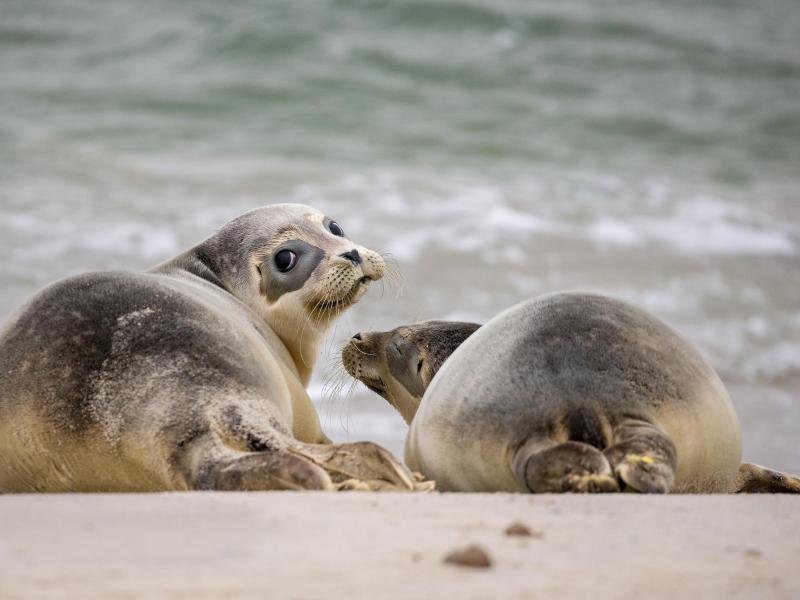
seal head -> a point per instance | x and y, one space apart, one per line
401 363
292 265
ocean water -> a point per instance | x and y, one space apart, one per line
497 149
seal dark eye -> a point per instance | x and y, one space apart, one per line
419 366
285 260
335 229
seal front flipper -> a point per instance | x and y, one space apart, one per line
366 463
233 449
543 466
643 457
754 479
241 449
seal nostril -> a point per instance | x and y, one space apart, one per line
353 256
357 337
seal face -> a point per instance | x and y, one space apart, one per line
400 364
190 375
565 392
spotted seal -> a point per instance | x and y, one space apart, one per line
561 393
190 375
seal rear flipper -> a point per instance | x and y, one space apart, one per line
643 457
549 467
754 479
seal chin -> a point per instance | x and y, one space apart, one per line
376 386
358 289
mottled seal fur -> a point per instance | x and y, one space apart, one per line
191 375
565 392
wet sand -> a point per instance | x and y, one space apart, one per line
288 545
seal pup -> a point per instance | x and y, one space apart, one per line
561 393
191 375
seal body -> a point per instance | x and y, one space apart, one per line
562 393
572 368
191 375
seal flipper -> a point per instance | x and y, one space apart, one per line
262 471
243 450
209 464
643 457
358 465
754 479
549 467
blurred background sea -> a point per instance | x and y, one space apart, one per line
497 149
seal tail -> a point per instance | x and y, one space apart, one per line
754 479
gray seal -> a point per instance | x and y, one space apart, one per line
561 393
191 375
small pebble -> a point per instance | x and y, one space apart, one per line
753 553
519 529
472 556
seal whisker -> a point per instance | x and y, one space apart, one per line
345 425
332 388
393 274
335 381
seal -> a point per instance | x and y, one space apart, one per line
191 375
562 393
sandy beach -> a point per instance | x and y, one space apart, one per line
289 545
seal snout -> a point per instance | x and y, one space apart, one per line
372 265
361 360
363 342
